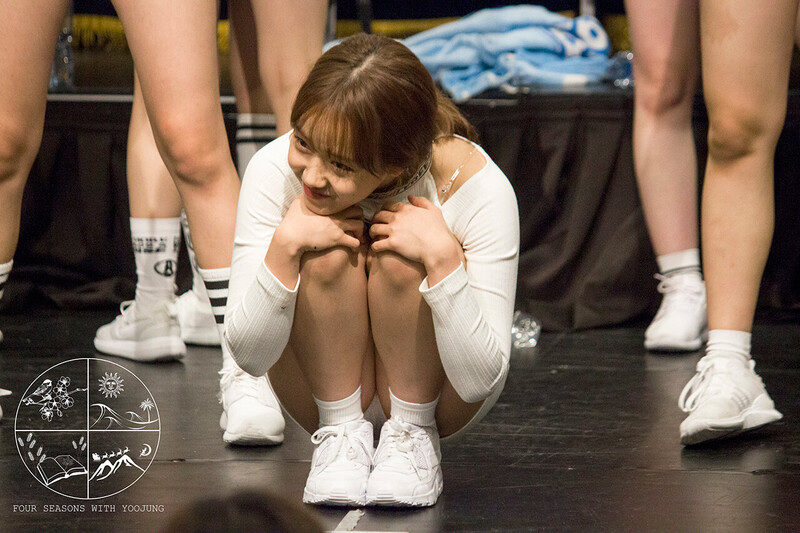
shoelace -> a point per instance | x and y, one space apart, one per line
400 442
340 436
248 385
126 310
669 285
708 379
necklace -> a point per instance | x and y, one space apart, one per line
446 189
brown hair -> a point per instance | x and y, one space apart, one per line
370 101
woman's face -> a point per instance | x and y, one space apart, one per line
329 185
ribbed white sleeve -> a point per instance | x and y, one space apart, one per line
473 309
260 309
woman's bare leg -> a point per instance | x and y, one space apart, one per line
666 39
747 47
745 75
174 47
28 33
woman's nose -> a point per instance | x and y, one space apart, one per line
314 175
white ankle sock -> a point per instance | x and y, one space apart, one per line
198 286
419 414
340 411
156 242
729 341
679 262
253 131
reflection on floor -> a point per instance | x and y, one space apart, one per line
584 438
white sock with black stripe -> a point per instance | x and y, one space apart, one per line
253 130
5 270
216 282
156 243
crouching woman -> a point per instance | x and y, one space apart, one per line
375 255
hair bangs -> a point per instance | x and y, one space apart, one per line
343 133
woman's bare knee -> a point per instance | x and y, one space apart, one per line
393 271
329 266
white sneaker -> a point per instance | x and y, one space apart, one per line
406 470
142 337
251 414
196 320
340 465
681 323
726 397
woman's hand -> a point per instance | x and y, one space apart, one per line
301 231
306 231
418 232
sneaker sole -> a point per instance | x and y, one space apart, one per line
247 439
252 440
389 499
338 498
704 430
664 344
151 350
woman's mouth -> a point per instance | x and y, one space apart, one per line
313 194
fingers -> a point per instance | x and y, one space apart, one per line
350 241
379 231
420 201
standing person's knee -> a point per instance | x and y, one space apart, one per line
19 144
193 154
733 135
661 89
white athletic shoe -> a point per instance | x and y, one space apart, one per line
726 397
340 465
681 323
134 335
406 469
251 414
196 320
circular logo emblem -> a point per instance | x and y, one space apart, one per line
87 428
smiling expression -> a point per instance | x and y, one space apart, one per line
331 183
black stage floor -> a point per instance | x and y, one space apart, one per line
584 438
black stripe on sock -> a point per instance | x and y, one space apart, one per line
220 319
255 139
216 285
255 127
219 302
681 269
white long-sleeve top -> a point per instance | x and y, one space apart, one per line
472 307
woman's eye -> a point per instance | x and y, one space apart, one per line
341 167
302 144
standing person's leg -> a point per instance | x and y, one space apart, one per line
666 47
285 55
255 118
28 33
147 328
175 49
269 62
745 78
